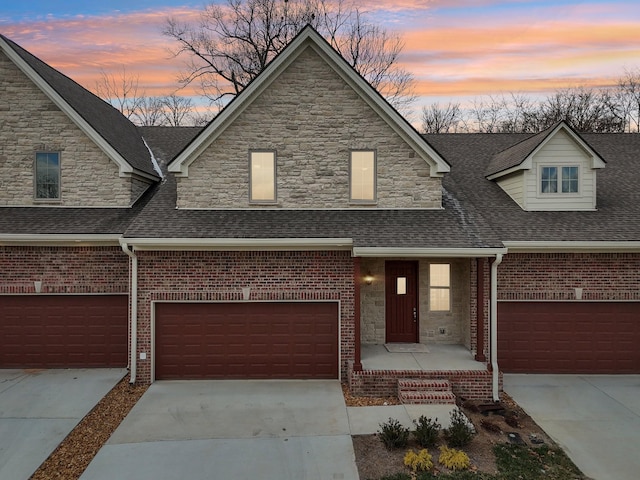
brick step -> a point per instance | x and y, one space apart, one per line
423 384
427 397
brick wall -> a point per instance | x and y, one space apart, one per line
312 119
220 276
466 384
70 270
554 276
30 122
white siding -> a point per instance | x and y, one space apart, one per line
558 151
513 185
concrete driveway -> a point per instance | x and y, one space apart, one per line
232 429
38 409
595 418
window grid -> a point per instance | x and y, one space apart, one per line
439 287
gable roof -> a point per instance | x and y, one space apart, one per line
615 223
105 125
517 157
309 37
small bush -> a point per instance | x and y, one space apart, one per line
393 434
418 462
427 431
460 432
454 459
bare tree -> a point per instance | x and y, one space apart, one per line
176 110
121 91
234 42
629 99
441 119
151 112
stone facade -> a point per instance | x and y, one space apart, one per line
555 276
312 119
220 277
456 323
30 122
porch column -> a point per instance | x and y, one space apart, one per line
357 361
480 318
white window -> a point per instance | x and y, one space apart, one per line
362 172
47 176
439 287
262 176
559 179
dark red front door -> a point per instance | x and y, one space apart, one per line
401 291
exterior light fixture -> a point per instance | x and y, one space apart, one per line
368 278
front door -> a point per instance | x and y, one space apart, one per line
401 294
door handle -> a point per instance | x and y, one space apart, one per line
415 314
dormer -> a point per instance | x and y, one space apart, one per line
553 170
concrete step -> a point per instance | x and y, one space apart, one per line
427 397
423 384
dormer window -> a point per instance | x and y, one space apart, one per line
559 179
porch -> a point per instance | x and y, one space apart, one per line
381 370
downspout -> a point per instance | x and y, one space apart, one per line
134 309
494 327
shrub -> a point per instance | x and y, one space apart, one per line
418 462
453 459
393 434
427 431
460 432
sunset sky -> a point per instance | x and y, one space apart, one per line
457 49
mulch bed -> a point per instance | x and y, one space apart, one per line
76 451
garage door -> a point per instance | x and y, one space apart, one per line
52 331
569 337
246 340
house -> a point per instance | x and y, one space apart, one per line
309 232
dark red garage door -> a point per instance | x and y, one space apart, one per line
569 337
52 331
246 340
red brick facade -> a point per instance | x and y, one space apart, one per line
72 270
554 276
220 276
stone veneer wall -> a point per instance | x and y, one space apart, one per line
30 123
220 276
554 276
312 119
457 322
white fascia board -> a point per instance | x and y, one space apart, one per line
59 240
125 169
571 247
309 37
427 252
239 244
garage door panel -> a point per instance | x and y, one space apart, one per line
249 340
569 337
69 331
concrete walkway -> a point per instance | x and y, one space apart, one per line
595 418
243 430
38 409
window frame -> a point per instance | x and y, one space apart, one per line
36 198
374 198
447 288
273 200
559 180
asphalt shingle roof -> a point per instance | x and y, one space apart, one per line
107 121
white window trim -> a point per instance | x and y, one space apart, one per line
375 178
559 194
275 178
37 199
439 287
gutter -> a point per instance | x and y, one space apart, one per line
427 252
494 327
134 310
